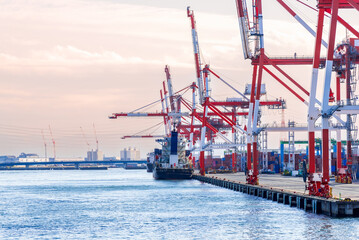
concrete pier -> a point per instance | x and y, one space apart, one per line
290 191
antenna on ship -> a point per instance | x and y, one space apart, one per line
53 142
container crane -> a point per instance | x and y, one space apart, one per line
208 104
313 112
318 184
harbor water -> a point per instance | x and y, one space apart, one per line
130 204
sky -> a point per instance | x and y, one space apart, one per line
70 64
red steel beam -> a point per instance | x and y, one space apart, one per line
227 114
325 130
295 61
245 104
345 24
286 61
342 3
288 77
221 115
354 4
285 85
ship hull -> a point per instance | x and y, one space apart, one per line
134 167
149 167
172 173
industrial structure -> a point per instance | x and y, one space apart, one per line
234 124
130 154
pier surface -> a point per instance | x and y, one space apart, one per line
290 191
294 184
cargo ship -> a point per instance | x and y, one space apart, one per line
173 163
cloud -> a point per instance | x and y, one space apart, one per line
71 56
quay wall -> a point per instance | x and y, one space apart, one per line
330 207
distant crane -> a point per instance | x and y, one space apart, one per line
94 129
83 135
53 142
45 145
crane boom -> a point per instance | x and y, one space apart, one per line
164 117
244 27
94 129
169 120
45 145
53 142
170 88
83 135
197 58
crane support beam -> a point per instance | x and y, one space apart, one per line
354 4
144 136
223 146
287 76
294 129
326 90
326 4
312 111
284 84
116 115
300 20
225 118
241 94
184 114
345 24
348 109
297 61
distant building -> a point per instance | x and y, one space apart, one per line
69 159
33 159
130 154
8 159
28 155
94 155
110 158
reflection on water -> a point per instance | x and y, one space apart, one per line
120 204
